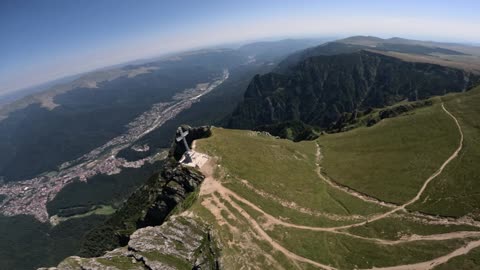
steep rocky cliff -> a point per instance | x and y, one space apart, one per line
146 233
180 243
151 204
319 90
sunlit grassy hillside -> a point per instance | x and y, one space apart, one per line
339 205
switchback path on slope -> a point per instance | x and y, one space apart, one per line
228 194
398 207
395 207
294 206
213 187
425 184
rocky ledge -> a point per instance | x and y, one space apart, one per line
180 243
147 233
151 204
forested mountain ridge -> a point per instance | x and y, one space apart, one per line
319 89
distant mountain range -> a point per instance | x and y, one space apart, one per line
71 118
51 139
317 86
296 89
258 51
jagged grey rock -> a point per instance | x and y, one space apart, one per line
180 243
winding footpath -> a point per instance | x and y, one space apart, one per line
395 207
213 188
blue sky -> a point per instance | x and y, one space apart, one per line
46 39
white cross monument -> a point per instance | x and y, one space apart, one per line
181 137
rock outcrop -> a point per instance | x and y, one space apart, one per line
145 233
180 243
149 205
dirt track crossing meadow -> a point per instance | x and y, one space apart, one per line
216 197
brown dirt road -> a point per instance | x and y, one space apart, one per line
212 186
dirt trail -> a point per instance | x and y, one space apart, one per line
211 186
414 199
440 170
367 198
425 217
298 208
425 184
273 243
437 261
228 194
376 217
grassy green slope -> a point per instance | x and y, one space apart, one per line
281 168
391 160
456 192
398 226
346 253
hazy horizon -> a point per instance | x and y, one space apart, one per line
207 47
46 41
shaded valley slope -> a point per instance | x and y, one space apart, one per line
319 90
